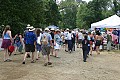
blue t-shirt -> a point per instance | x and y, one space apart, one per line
30 38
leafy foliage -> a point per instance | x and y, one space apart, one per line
19 13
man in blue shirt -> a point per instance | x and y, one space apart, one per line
30 40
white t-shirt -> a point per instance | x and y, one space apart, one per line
80 35
39 39
69 36
66 34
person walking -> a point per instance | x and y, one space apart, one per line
66 40
7 41
98 40
73 41
80 38
70 45
52 34
30 41
109 41
46 46
85 47
57 42
91 40
38 43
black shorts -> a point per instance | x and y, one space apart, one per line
79 41
29 48
98 43
66 41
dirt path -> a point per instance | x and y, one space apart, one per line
105 66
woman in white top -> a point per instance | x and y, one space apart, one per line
38 43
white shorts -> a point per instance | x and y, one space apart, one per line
57 46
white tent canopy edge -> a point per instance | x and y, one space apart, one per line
110 22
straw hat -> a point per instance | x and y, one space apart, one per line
40 29
31 28
52 29
46 29
57 30
67 29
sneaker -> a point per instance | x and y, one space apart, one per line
21 53
8 60
28 56
32 61
23 62
5 60
66 51
45 64
84 61
49 63
37 59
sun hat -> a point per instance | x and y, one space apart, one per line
40 29
57 30
31 28
46 29
52 29
28 25
67 29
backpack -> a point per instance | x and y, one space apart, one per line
44 40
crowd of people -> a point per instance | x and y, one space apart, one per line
49 42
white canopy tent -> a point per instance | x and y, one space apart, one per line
111 22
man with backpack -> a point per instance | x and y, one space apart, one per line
46 46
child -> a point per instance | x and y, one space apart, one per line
85 47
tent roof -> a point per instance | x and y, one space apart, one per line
111 22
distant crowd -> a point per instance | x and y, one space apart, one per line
49 42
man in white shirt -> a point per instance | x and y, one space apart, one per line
70 45
80 38
66 39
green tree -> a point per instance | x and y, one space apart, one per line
68 10
19 13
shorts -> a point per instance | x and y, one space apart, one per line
98 43
66 41
6 43
57 46
45 49
38 47
80 41
17 44
29 48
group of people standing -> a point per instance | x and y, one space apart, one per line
49 42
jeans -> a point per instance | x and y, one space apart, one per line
70 45
85 52
73 48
